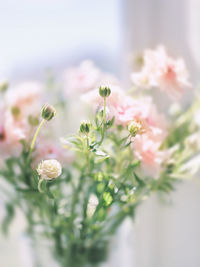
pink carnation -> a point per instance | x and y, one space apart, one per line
146 148
20 102
81 79
10 135
26 97
160 70
126 109
48 150
84 78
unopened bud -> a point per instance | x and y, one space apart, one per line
134 128
15 111
104 91
48 112
3 86
33 121
85 127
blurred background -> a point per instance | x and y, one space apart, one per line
37 35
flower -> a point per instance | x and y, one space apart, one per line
160 70
85 77
49 169
20 103
48 112
81 79
126 109
50 150
25 96
146 148
11 132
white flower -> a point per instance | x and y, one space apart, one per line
49 169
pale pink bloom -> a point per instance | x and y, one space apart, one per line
81 79
26 97
146 148
160 70
10 135
85 77
46 149
125 108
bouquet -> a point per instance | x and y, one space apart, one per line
75 191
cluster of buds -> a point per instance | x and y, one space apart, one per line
104 91
85 127
48 112
134 128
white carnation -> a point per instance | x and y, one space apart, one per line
49 169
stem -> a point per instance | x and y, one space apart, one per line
39 185
36 134
104 111
104 122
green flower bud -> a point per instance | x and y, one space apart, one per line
85 127
134 128
34 121
15 111
3 86
48 112
104 91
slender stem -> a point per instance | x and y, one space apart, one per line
36 134
104 111
104 121
39 185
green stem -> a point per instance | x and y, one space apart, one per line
39 185
104 111
36 134
104 122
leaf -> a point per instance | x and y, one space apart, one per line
102 156
8 218
139 181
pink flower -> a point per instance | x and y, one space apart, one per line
84 78
160 70
81 79
10 135
48 150
146 148
26 97
126 109
19 103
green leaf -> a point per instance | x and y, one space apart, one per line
10 212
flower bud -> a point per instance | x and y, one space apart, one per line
49 169
15 111
104 91
134 128
33 121
3 86
85 127
48 112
